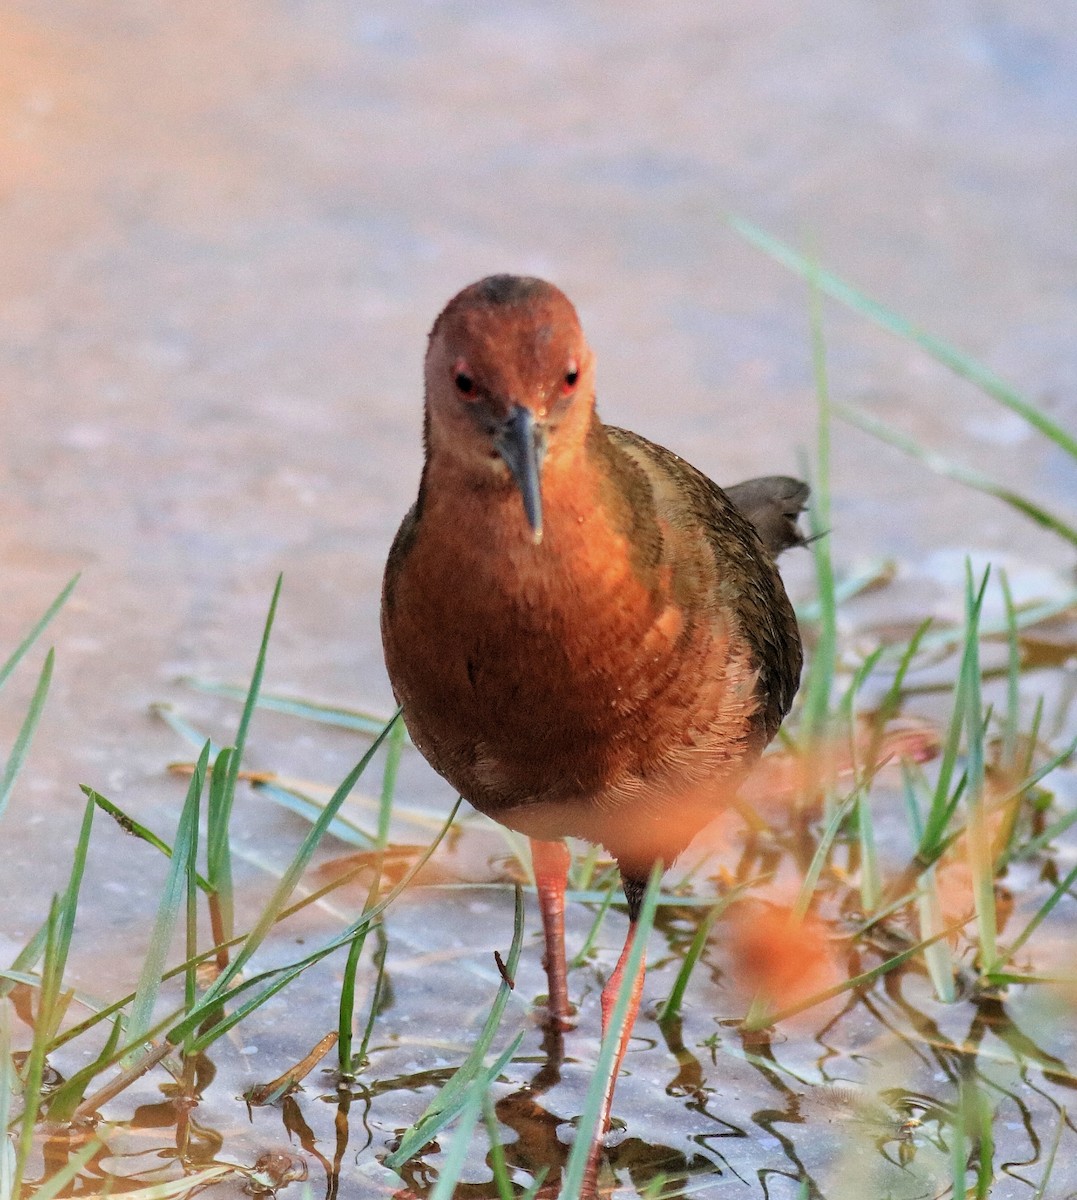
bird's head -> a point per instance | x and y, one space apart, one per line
509 385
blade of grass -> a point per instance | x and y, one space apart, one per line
459 1146
981 860
1013 690
1049 1165
818 860
27 643
222 797
1041 914
671 1006
307 710
871 884
173 896
961 364
10 1183
129 825
587 1127
944 801
25 734
596 925
970 478
465 1080
181 727
342 827
817 688
498 1165
35 1062
376 999
937 957
346 1015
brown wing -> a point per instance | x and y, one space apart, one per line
748 581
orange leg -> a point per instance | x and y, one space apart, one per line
551 861
609 1000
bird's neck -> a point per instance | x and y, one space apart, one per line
591 516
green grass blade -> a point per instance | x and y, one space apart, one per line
596 924
27 643
393 753
219 848
35 1062
818 686
941 465
306 710
871 883
343 828
587 1126
9 1180
981 861
378 995
219 815
498 1165
173 897
1041 914
25 734
448 1102
961 364
458 1147
671 1006
1049 1165
135 828
1013 674
937 957
182 728
822 850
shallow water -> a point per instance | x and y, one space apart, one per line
226 232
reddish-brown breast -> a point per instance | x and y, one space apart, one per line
614 679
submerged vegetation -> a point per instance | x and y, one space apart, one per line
896 894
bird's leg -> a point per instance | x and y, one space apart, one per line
609 1002
551 862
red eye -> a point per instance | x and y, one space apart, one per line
461 377
572 377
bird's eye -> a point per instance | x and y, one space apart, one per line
572 377
465 385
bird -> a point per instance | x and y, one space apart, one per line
587 637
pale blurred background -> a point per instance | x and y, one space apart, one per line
227 228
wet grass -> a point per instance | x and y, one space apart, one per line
873 888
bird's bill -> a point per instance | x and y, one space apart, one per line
521 443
